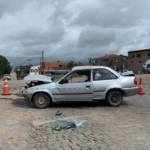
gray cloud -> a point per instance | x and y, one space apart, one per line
96 37
11 6
72 30
34 37
112 14
58 16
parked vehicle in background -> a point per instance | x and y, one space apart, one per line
139 72
83 83
7 76
34 70
146 67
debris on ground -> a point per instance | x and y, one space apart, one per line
79 122
59 125
58 113
18 94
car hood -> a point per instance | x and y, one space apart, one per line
38 78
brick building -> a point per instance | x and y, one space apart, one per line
48 65
137 58
117 60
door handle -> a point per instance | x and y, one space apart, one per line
88 86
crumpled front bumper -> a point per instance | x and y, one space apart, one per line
27 94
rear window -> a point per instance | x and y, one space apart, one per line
103 74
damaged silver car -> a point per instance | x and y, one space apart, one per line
83 83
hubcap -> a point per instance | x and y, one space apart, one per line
41 100
115 98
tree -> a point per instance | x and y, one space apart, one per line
71 64
5 67
111 64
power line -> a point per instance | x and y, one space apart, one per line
29 61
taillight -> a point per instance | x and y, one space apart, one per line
135 81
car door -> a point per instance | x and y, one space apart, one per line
78 88
102 80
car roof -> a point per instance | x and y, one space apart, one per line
94 67
87 67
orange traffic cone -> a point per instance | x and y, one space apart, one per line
140 91
6 88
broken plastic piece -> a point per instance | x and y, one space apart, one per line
63 125
67 124
58 112
79 122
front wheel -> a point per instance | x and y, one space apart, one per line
41 100
114 98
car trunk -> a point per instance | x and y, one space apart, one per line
128 81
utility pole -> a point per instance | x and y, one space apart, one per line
40 65
43 61
29 61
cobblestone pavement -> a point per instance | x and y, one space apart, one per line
24 127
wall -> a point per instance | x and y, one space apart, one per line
120 60
138 61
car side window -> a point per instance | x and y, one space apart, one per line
103 74
79 76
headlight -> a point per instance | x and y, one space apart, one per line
22 89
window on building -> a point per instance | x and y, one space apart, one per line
138 55
121 59
116 60
111 60
133 56
148 54
140 61
94 61
130 56
143 53
60 65
131 62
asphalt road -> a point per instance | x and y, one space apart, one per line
14 83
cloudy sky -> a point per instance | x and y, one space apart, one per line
72 29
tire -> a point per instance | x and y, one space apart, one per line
41 96
114 98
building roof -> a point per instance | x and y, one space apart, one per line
60 63
139 50
107 56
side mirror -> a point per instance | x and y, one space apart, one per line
63 81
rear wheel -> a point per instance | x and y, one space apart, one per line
114 98
41 100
